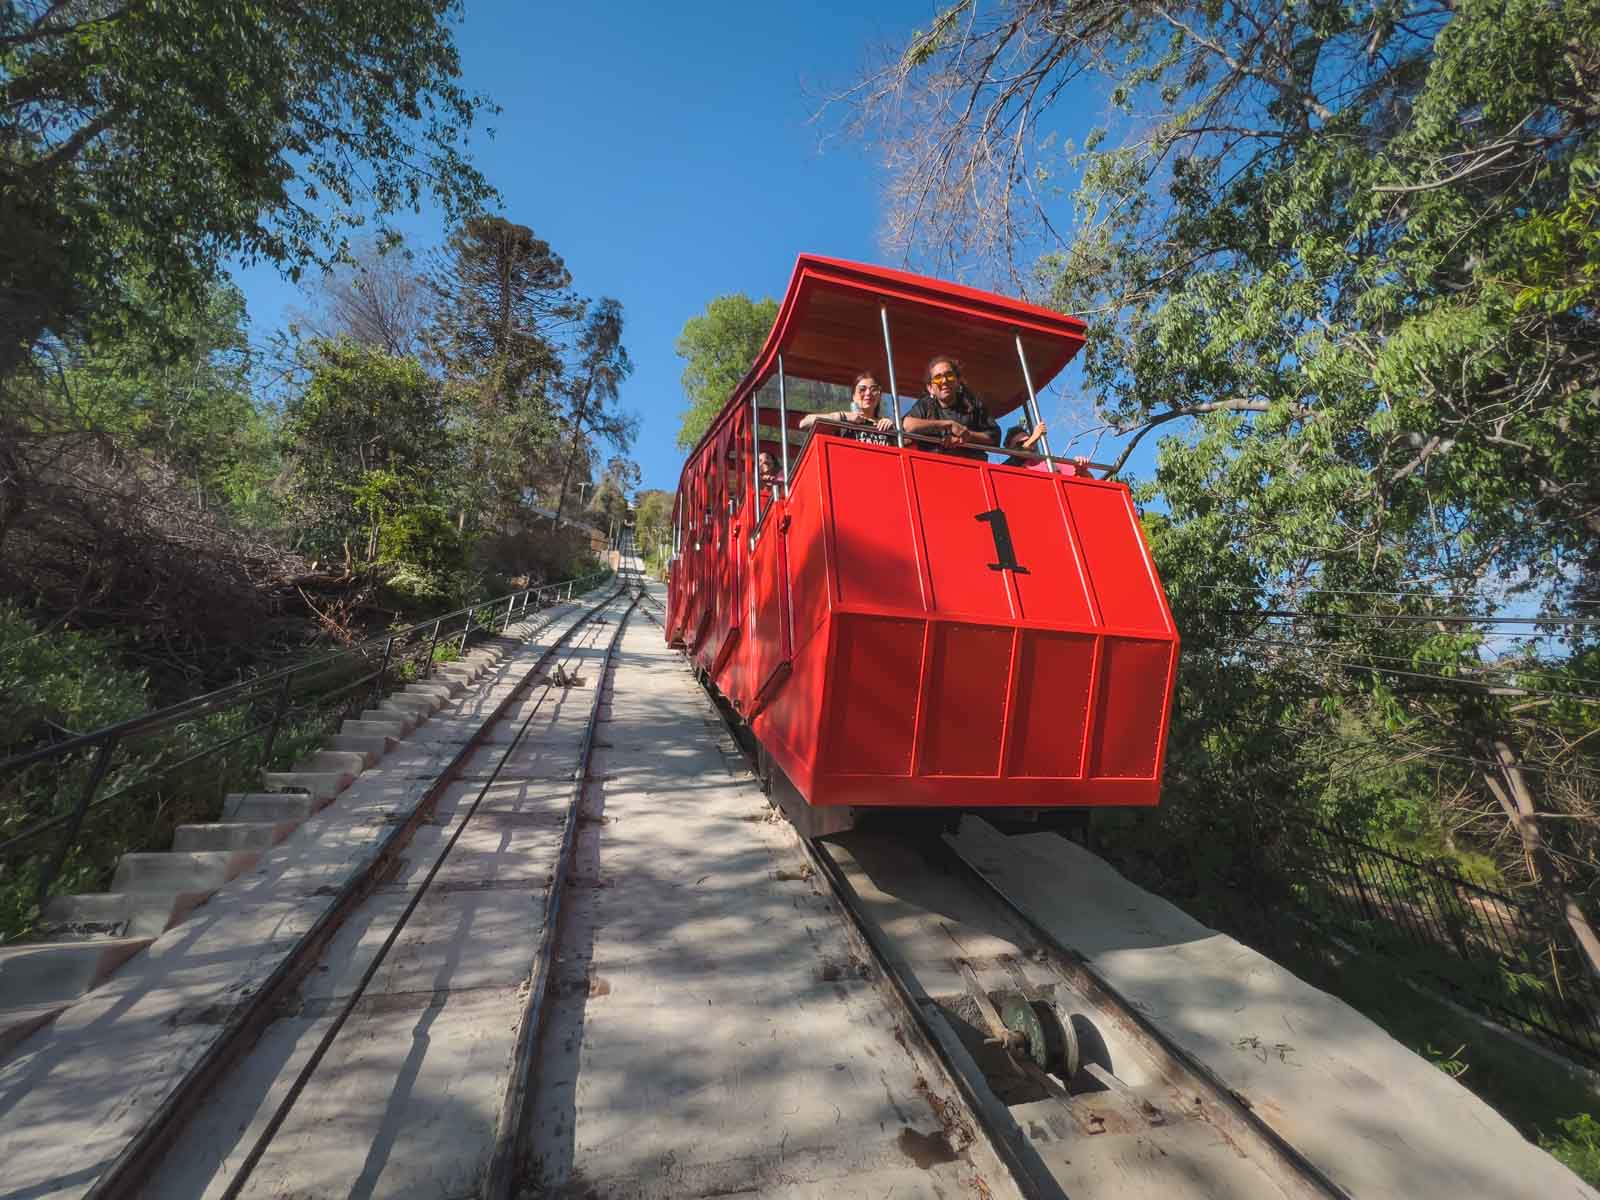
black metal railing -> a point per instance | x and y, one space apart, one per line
176 763
1509 958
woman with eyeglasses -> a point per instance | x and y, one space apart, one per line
865 396
951 412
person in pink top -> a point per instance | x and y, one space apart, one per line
1019 438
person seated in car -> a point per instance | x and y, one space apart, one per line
767 469
866 394
950 411
1018 438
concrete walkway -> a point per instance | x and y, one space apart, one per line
1381 1121
714 1034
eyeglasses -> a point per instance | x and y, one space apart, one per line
870 388
945 377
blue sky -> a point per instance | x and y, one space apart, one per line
667 152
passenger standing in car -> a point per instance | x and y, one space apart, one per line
865 396
950 411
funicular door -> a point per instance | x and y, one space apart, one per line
697 616
771 645
732 451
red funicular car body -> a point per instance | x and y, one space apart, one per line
901 626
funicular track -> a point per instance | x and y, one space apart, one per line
149 1164
1131 1113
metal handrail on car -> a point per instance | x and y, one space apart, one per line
277 688
942 443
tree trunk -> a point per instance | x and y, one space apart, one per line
1515 797
577 432
13 491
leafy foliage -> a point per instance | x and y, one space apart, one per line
1342 262
719 346
172 135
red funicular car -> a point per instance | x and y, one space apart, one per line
901 626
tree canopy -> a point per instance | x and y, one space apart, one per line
1344 259
719 346
165 137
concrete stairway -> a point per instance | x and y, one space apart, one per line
87 937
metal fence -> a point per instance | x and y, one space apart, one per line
132 775
1506 957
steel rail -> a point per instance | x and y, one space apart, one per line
285 1106
1107 1000
132 1168
1229 1111
505 1160
986 1117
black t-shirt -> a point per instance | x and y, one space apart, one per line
861 433
968 409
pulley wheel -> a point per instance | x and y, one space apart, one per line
1051 1042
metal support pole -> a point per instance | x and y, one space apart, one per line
433 644
279 708
894 388
1033 403
97 775
783 426
383 669
755 459
466 632
510 605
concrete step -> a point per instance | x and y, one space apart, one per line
371 746
350 762
181 870
426 703
17 1023
442 692
116 914
421 705
42 973
389 716
232 835
268 806
384 729
322 785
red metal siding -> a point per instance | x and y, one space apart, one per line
949 496
1052 706
965 698
1114 548
876 556
1055 589
1133 708
873 688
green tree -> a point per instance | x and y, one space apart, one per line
170 136
652 527
185 398
600 367
719 346
501 300
369 440
1343 260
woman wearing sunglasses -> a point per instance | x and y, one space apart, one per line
865 397
950 411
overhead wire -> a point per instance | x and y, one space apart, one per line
1458 680
1407 595
1482 669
